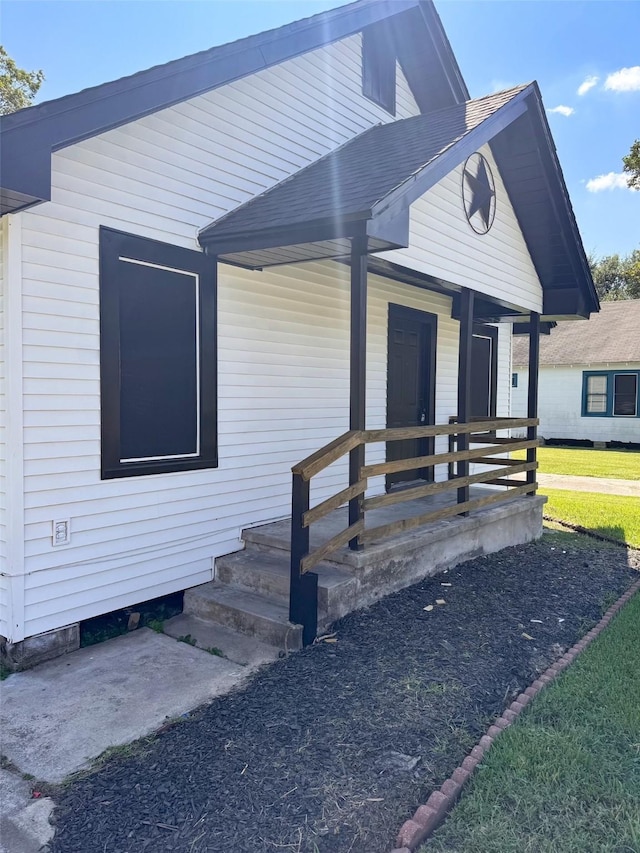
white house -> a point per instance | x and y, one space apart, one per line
589 380
213 268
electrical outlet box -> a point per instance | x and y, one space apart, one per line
61 533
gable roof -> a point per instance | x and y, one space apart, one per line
31 135
368 184
360 180
610 337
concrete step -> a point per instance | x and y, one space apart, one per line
266 571
246 612
262 571
276 537
221 641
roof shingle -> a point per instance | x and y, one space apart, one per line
612 336
349 181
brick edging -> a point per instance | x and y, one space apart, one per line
430 815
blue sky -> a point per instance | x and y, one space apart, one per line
585 55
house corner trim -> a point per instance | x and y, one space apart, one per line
12 236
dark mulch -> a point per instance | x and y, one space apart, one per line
332 749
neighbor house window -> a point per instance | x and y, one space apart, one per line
611 393
157 357
379 67
514 380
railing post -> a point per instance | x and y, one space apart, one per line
357 371
303 587
464 384
532 401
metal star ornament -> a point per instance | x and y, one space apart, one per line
478 193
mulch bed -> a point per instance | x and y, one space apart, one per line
331 749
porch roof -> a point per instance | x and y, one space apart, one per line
367 186
370 178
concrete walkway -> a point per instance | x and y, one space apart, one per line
57 718
599 485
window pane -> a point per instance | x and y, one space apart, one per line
597 385
597 403
625 392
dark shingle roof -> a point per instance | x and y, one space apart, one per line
350 181
612 336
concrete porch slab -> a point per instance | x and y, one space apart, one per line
277 535
57 718
388 565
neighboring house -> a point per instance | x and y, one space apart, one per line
206 265
589 380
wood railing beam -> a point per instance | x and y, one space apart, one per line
334 502
328 454
405 524
371 436
444 486
378 468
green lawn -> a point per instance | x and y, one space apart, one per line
621 464
610 515
565 778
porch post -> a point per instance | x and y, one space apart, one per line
532 400
357 369
464 383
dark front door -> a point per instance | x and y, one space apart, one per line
410 385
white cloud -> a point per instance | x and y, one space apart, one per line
564 111
612 181
588 83
624 80
501 86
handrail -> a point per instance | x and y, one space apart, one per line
331 452
328 454
403 433
303 606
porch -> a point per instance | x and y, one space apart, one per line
427 478
296 576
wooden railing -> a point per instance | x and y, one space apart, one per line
304 583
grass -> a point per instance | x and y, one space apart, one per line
620 464
610 515
566 776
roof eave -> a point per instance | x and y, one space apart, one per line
31 135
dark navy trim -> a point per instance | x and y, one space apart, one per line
609 375
113 245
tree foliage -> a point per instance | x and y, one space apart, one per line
18 88
616 278
632 165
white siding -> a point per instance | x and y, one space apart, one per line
284 391
560 405
443 244
283 336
